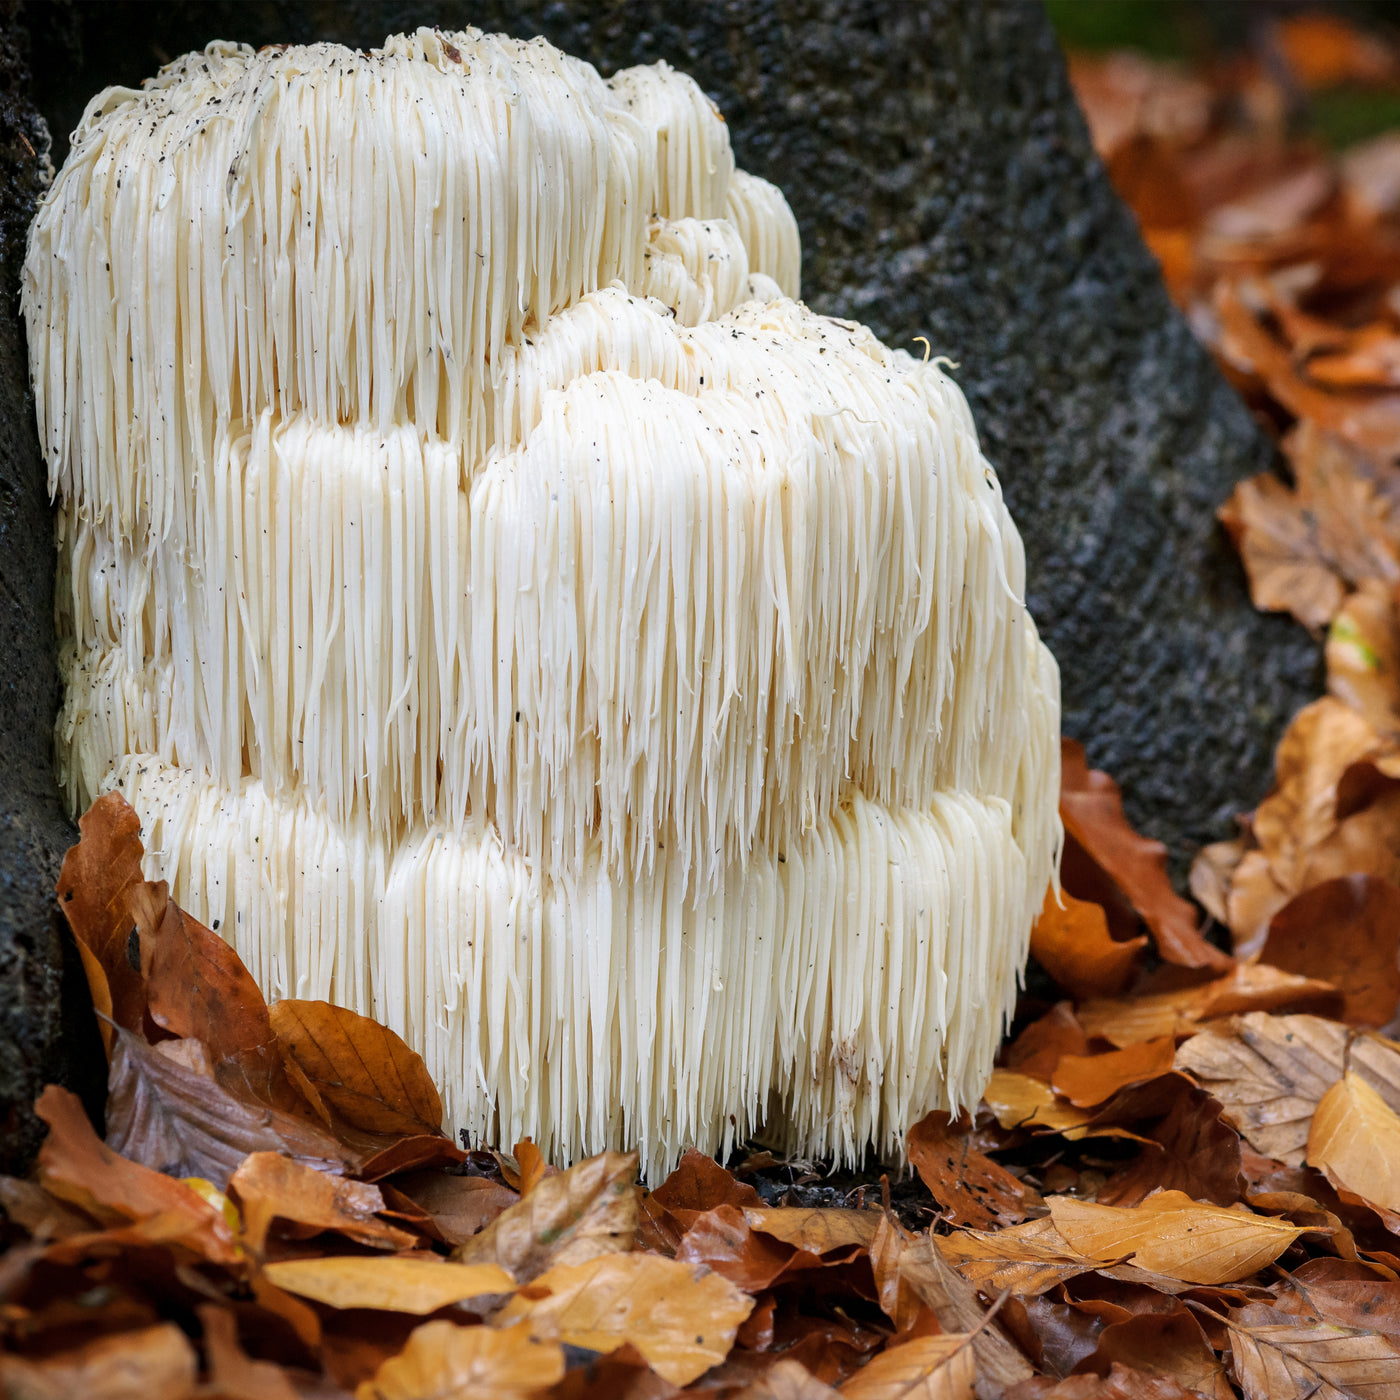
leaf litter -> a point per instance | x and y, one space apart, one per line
1183 1179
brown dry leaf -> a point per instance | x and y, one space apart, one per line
969 1187
165 1110
787 1380
1212 873
195 983
1028 1259
1355 1142
1091 807
1271 1072
1191 1150
271 1187
1249 987
1276 1355
699 1183
1363 655
927 1368
1086 1080
444 1360
817 1231
76 1167
722 1240
1170 1345
1171 1234
1072 943
1121 1383
1020 1101
924 1271
94 887
408 1285
361 1070
1038 1049
587 1211
1325 50
1346 932
233 1374
461 1206
682 1321
155 1363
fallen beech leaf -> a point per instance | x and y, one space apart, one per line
533 1167
1169 1345
1072 943
1037 1050
1019 1101
924 1271
1191 1150
1028 1259
969 1187
1121 1383
233 1374
76 1167
461 1206
1211 874
1363 656
1346 932
818 1231
29 1206
272 1187
1271 1072
1171 1234
362 1071
700 1183
195 983
1249 987
927 1368
1325 50
722 1240
1369 1303
442 1360
1355 1142
408 1285
94 886
1276 1355
1086 1080
787 1380
155 1363
682 1321
166 1114
1091 807
577 1215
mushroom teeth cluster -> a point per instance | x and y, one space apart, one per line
517 618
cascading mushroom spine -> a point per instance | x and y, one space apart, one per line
515 616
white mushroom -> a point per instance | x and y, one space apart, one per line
515 618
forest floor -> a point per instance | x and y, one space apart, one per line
1184 1178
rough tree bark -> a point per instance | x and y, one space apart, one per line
945 186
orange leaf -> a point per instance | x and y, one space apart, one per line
1355 1140
682 1320
361 1070
157 1363
76 1167
1174 1235
1346 932
927 1368
408 1285
1092 810
568 1218
970 1187
442 1359
1086 1080
272 1187
1071 942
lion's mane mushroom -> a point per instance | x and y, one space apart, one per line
516 618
